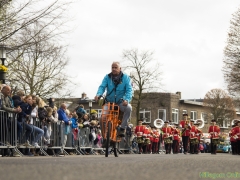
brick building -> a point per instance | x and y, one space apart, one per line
165 106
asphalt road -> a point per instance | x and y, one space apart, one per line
127 166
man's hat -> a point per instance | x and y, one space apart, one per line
196 123
213 120
166 121
185 114
192 120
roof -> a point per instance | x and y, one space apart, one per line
191 102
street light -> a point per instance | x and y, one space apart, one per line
3 49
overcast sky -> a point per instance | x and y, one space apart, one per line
187 36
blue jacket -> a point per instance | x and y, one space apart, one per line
62 116
74 122
26 110
123 91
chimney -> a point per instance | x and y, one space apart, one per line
179 93
84 95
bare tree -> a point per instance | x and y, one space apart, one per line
219 106
231 68
145 74
39 68
18 15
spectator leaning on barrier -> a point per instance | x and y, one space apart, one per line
8 106
47 125
74 121
6 101
24 117
62 116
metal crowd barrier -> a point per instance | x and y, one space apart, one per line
61 139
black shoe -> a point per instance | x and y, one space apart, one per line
121 132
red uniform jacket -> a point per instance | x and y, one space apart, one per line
156 136
214 131
176 133
167 131
231 135
193 132
199 133
146 132
139 129
182 124
236 132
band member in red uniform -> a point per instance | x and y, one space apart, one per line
167 137
236 134
233 140
146 139
193 137
139 130
214 131
185 127
155 140
150 138
199 134
176 139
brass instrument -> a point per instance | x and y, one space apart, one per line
158 123
201 121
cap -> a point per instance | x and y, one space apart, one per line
185 114
196 123
213 120
192 120
166 121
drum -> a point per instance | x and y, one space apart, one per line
139 134
168 140
139 140
194 141
215 141
147 141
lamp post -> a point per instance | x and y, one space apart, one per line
90 107
3 49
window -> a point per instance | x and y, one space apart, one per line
204 117
193 115
175 115
146 116
162 114
223 123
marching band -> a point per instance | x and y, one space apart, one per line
151 140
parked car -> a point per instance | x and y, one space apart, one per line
224 147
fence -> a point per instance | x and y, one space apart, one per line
57 137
